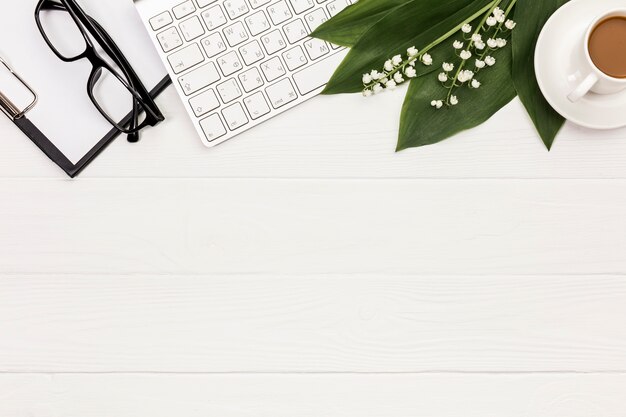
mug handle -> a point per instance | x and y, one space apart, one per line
583 88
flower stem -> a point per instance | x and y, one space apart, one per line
489 9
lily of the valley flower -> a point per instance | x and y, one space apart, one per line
467 28
437 103
465 55
510 25
475 83
457 45
490 61
443 77
447 67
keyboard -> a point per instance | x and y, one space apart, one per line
237 63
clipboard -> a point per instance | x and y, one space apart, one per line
29 61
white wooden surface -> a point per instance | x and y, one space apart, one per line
305 269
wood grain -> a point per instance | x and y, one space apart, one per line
338 137
168 226
312 396
316 323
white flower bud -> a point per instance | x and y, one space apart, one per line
491 61
477 37
498 12
367 78
437 103
377 88
375 75
501 42
457 44
491 21
412 52
465 55
443 77
454 100
475 84
480 64
501 18
397 77
447 67
510 25
410 72
480 45
388 65
367 93
396 60
492 43
427 59
467 28
391 84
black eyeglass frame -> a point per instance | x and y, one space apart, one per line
142 100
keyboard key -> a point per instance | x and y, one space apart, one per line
251 79
192 28
229 63
315 18
258 3
213 127
294 58
186 58
161 20
169 39
204 103
313 77
281 93
235 116
279 12
214 17
334 7
184 9
229 90
199 78
213 44
251 52
316 48
257 23
235 34
257 105
301 6
273 69
295 31
205 3
273 42
236 8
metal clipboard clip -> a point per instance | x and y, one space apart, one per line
7 105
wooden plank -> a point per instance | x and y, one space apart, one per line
312 323
320 139
312 226
312 396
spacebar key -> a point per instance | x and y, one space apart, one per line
318 74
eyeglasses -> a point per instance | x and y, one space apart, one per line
72 36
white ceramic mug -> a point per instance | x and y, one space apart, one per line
594 80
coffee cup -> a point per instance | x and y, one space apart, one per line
603 64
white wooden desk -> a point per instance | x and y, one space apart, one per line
305 269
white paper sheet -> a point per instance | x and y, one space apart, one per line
64 113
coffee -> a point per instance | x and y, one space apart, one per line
607 46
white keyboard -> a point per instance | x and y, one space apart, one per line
236 63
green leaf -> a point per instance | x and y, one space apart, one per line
352 22
421 124
531 16
430 20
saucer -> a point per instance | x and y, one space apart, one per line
557 63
